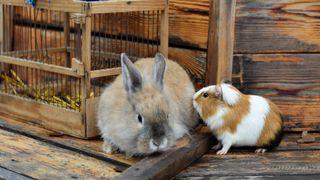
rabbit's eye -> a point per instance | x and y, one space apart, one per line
140 119
205 95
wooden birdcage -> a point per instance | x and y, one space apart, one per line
56 58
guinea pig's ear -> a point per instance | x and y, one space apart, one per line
218 90
132 78
159 68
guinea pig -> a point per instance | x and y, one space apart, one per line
237 119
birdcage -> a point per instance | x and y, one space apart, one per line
57 57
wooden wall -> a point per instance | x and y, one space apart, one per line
276 52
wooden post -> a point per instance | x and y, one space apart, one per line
164 30
1 28
86 60
220 41
66 28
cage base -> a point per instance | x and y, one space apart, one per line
57 119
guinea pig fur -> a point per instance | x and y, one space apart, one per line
237 119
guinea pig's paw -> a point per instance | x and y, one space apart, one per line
260 150
222 151
109 148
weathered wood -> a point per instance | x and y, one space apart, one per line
39 65
91 116
168 164
42 161
57 5
92 147
250 164
220 41
105 72
1 29
51 117
113 6
9 174
292 81
164 30
261 26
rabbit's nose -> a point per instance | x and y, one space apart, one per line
156 143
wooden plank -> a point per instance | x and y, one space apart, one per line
91 115
92 147
164 30
284 163
278 26
1 29
168 164
105 72
220 41
39 65
292 81
40 160
259 25
56 5
113 6
48 116
9 174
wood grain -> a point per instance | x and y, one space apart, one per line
261 26
42 161
220 41
171 162
292 81
9 174
48 116
288 163
92 147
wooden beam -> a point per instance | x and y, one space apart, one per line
20 53
170 163
40 65
56 5
220 41
2 28
86 60
48 116
105 72
113 6
164 30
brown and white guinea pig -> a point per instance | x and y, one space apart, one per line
237 119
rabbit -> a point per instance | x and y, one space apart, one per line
237 119
147 108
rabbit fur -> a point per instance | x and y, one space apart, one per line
147 108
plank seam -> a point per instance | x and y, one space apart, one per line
18 173
118 166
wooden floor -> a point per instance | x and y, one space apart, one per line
30 152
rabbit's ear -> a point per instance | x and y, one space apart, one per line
159 68
132 79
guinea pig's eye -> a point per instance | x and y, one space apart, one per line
205 95
140 119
